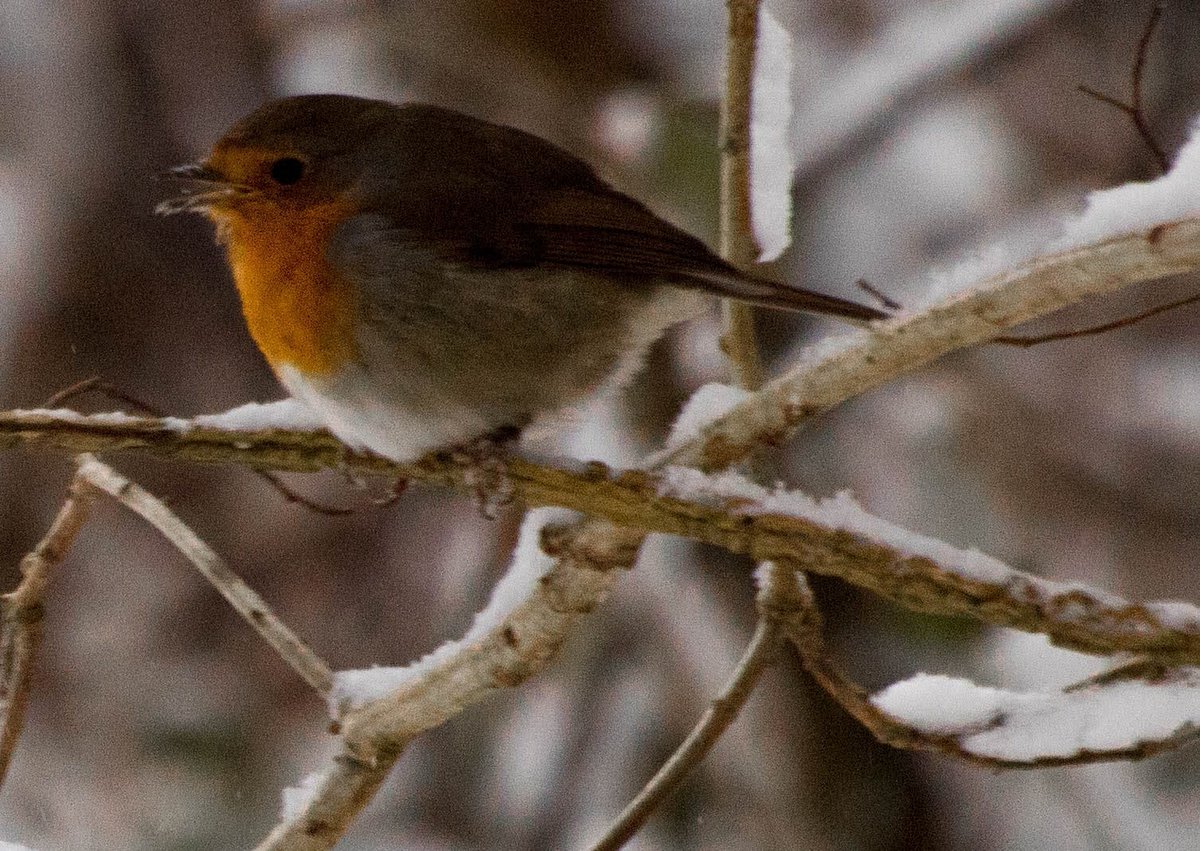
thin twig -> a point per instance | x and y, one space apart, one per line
737 243
721 712
879 295
1139 67
300 499
21 613
1135 111
241 596
98 385
1124 322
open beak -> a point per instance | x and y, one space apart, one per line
203 187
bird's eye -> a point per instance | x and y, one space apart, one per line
287 170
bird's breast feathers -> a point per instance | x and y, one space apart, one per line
300 311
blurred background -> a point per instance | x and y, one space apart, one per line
926 131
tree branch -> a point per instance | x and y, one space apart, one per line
244 599
906 344
21 613
738 340
802 623
340 794
642 502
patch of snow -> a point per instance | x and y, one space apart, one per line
709 403
297 798
771 156
1026 726
354 688
285 414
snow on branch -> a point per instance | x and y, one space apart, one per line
1133 711
838 538
850 365
1134 714
835 537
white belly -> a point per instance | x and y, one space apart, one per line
351 407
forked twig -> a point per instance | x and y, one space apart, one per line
241 596
21 614
1136 110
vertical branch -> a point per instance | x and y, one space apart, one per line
737 240
21 614
740 347
722 711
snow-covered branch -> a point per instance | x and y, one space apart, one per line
1130 712
835 537
854 364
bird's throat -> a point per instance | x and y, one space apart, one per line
299 310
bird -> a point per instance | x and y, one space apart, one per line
423 279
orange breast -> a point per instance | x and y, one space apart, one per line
300 312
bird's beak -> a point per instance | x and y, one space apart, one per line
203 188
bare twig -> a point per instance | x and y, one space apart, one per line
21 614
241 596
96 384
737 241
879 295
721 712
1135 111
300 499
1124 322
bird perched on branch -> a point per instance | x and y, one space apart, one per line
423 279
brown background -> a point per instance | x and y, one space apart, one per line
160 722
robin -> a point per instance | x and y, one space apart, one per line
422 279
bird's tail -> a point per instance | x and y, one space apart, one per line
766 293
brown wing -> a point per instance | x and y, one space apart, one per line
489 195
613 232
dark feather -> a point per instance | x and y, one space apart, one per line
492 196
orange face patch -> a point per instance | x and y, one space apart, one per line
299 311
